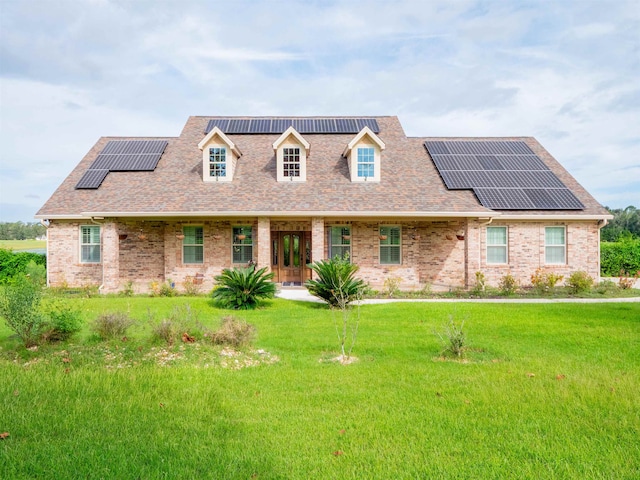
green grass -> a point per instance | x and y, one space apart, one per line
19 245
399 412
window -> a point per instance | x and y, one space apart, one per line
390 239
555 249
366 162
217 162
340 242
291 161
90 244
193 245
242 244
496 244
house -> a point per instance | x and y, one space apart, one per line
283 192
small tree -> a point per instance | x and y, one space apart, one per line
242 288
20 307
338 286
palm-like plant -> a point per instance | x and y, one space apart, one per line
336 283
242 288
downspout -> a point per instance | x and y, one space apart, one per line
601 224
93 220
45 223
480 250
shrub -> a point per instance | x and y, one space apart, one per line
392 286
62 323
233 332
20 307
127 290
508 284
543 282
182 320
627 281
36 272
111 325
453 338
13 264
242 288
192 286
480 287
336 283
619 256
606 287
580 281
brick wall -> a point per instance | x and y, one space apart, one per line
63 259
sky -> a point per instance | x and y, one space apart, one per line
565 72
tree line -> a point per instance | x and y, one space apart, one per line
625 225
20 230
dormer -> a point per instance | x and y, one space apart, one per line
219 156
363 156
291 156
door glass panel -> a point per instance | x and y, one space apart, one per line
286 251
296 250
307 247
274 247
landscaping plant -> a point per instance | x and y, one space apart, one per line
579 282
112 325
453 338
336 283
243 288
234 332
20 308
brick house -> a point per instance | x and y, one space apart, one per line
283 192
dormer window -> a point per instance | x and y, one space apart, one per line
219 157
291 156
363 156
217 162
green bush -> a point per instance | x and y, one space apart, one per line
12 264
336 283
20 307
233 332
242 288
619 257
453 338
544 282
508 285
62 322
111 325
580 282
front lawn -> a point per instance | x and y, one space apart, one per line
547 391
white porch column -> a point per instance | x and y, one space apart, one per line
110 258
264 243
317 240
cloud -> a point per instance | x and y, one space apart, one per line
562 71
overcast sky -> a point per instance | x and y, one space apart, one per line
565 72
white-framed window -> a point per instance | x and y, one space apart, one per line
340 242
291 161
217 162
555 245
193 244
90 244
242 244
390 245
497 245
366 162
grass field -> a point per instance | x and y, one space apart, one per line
19 245
548 391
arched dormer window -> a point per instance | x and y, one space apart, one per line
219 157
363 156
291 156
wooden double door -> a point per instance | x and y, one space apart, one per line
290 254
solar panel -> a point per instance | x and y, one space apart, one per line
302 125
91 179
123 156
504 175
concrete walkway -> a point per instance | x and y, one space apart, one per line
303 295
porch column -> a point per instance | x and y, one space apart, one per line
264 243
110 258
317 240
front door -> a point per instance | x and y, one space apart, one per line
289 252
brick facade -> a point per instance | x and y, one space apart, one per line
443 254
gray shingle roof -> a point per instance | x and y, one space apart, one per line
410 183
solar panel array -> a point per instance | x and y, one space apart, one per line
504 175
123 156
302 125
